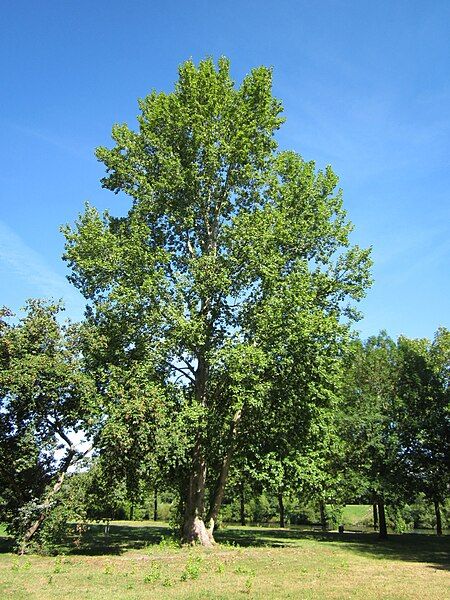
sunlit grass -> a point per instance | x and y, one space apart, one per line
139 560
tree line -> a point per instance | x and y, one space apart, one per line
217 345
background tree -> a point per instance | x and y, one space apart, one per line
228 249
47 401
369 425
424 415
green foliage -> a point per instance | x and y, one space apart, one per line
367 420
46 399
220 301
424 412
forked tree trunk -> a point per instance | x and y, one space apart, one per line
194 529
382 517
219 491
375 516
437 511
281 509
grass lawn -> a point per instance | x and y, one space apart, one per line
357 514
133 563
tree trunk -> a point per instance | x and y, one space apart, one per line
132 511
382 518
68 462
242 507
437 511
323 516
281 509
216 501
31 531
155 504
194 529
375 516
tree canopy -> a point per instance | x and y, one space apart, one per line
230 277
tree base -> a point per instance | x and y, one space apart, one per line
196 532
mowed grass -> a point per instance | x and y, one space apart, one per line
357 514
140 561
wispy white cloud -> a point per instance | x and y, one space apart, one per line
18 261
54 140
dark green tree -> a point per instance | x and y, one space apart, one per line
424 415
47 402
369 425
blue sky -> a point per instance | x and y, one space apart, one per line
365 86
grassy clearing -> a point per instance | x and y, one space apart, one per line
133 563
354 515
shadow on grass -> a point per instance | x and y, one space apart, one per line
6 544
409 547
120 539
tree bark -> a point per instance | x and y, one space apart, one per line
132 511
382 518
194 529
281 509
155 504
437 511
375 516
323 516
242 502
219 491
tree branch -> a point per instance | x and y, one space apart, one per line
180 370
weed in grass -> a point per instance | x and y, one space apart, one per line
154 573
192 568
20 564
167 582
244 571
249 584
220 567
107 570
58 565
50 579
169 543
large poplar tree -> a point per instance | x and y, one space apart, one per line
229 275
